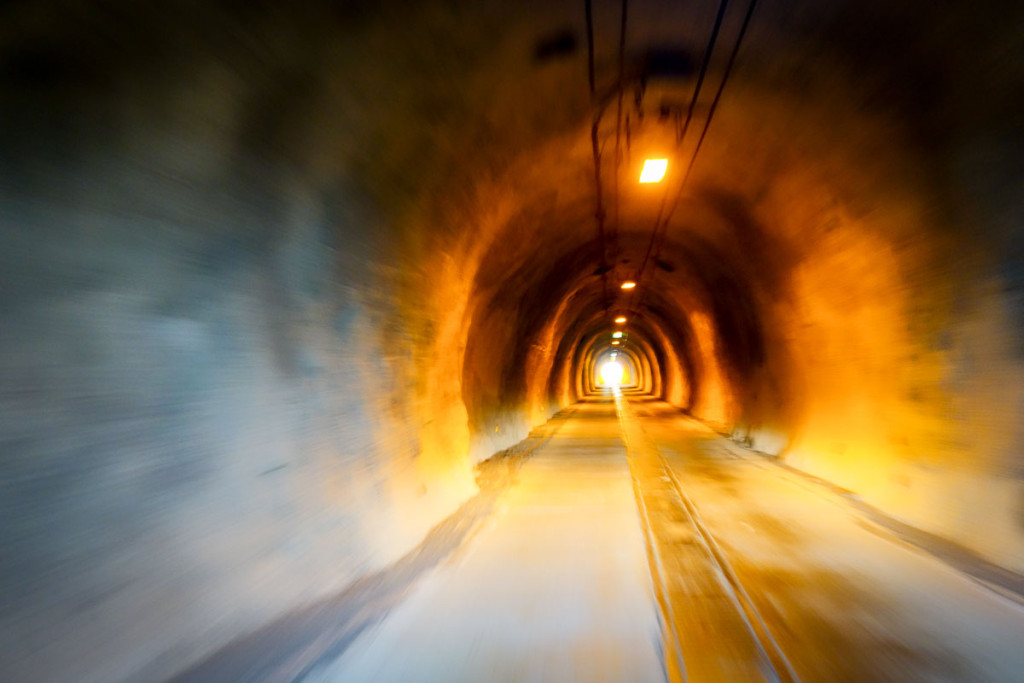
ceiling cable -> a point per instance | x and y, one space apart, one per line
588 10
599 213
618 130
705 62
680 135
662 229
718 95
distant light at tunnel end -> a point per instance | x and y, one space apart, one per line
621 319
612 373
628 284
653 170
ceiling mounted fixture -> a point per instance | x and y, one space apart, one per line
628 284
653 170
621 319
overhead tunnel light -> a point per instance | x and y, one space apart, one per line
616 335
621 319
615 343
628 284
653 170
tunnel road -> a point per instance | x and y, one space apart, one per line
838 596
555 588
648 547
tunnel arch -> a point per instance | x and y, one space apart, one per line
630 378
595 341
700 272
597 347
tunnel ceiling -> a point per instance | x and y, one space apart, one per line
448 148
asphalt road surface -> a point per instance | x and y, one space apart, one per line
634 544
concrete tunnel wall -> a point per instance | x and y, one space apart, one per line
273 279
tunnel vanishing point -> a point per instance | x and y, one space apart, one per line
278 280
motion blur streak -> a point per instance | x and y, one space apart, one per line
304 309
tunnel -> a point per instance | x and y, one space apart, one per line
290 289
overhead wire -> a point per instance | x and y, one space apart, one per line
657 240
718 95
704 64
624 13
589 13
599 214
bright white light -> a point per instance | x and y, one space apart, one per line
616 335
654 170
611 373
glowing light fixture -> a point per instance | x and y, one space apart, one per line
653 170
628 284
621 319
612 372
615 343
616 335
